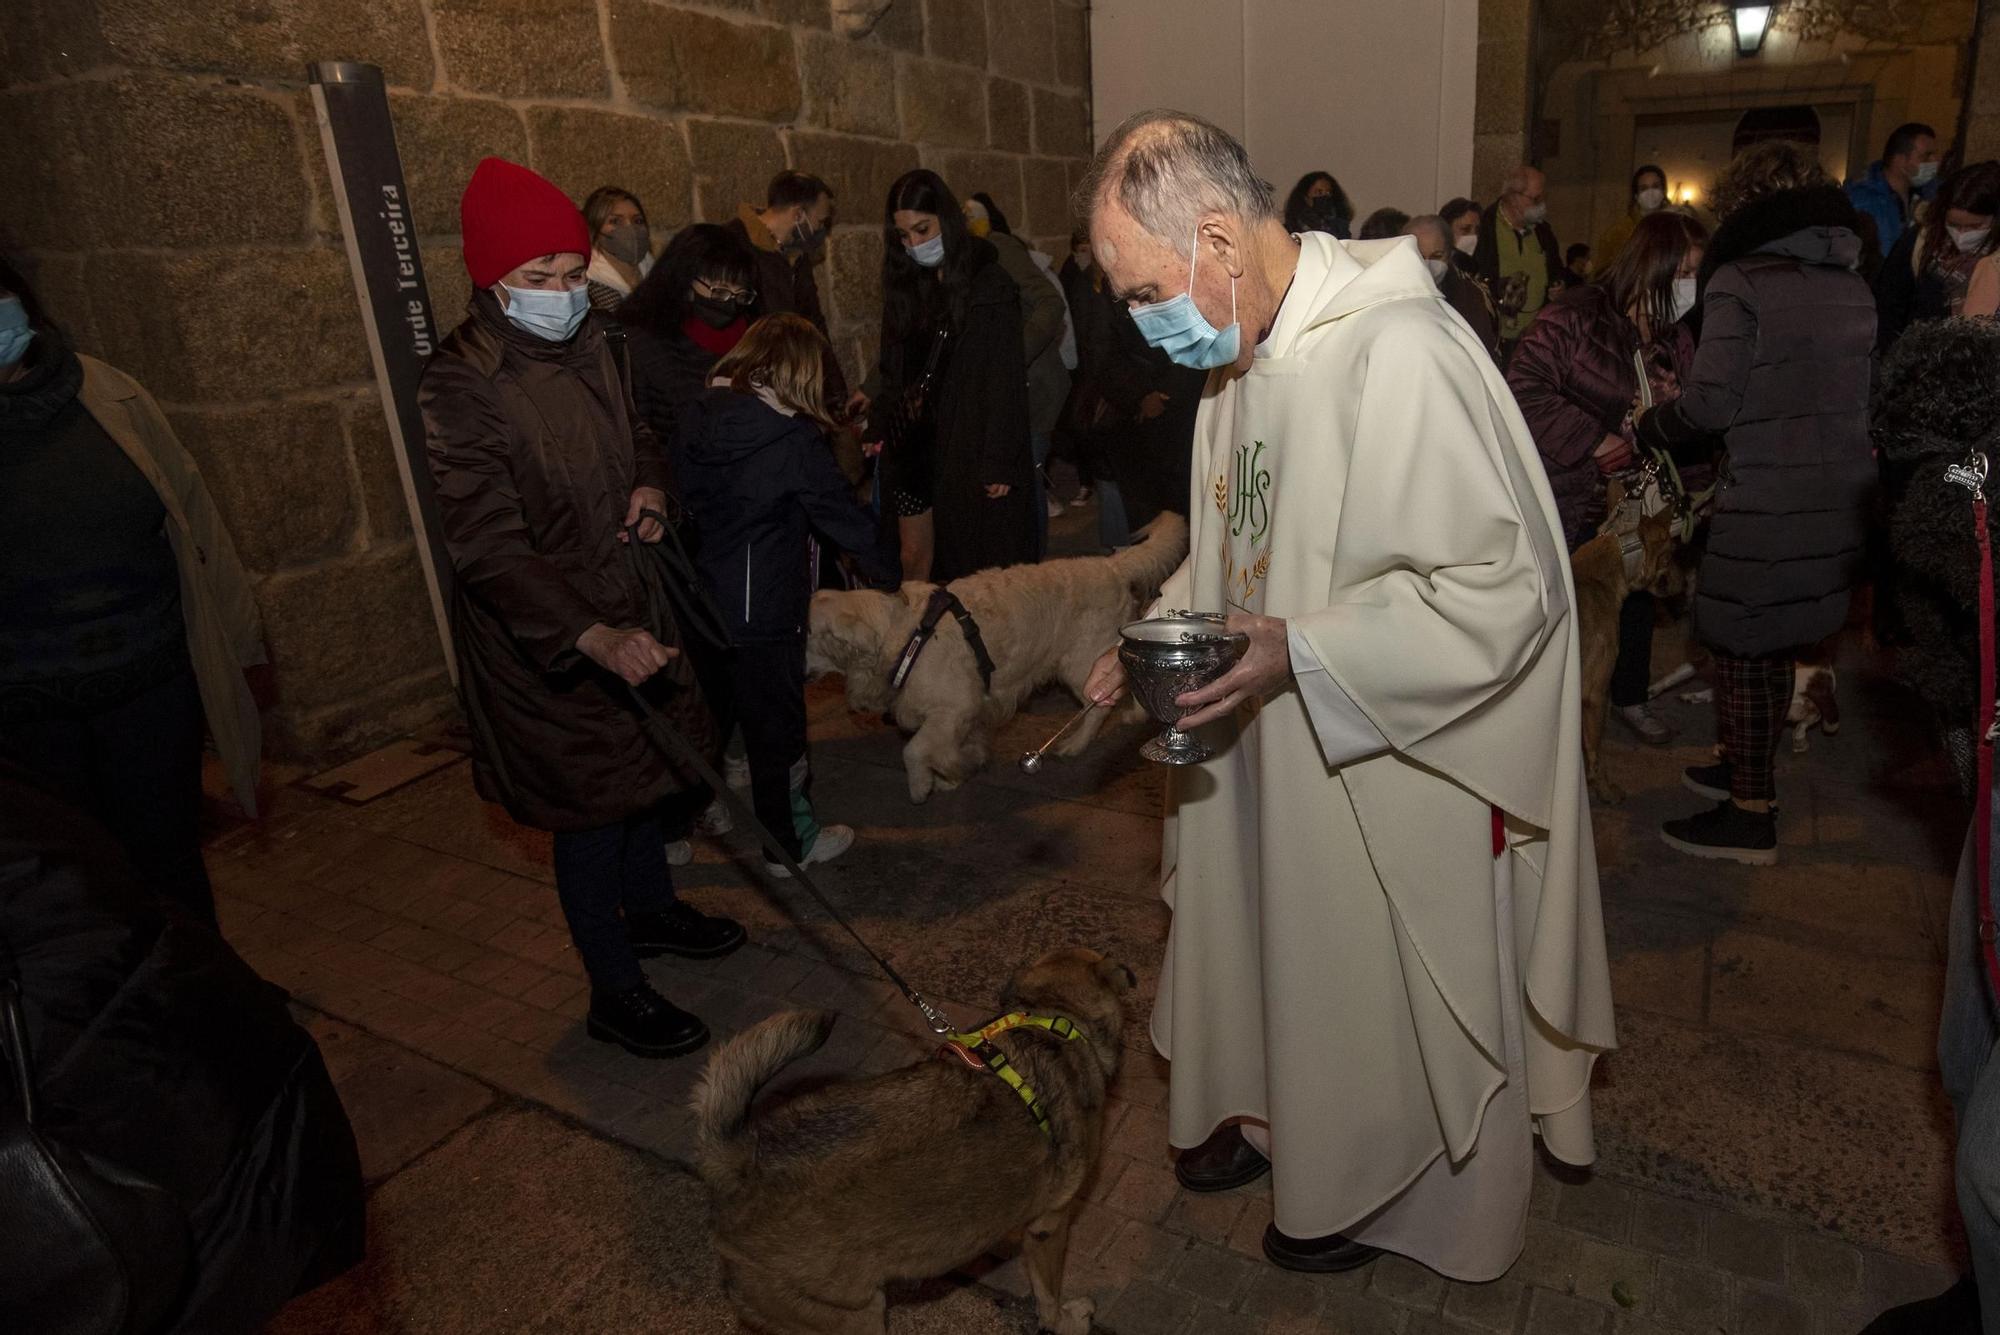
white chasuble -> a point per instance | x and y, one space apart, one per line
1350 964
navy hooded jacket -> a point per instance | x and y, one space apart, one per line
756 484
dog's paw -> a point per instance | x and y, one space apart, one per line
1074 1319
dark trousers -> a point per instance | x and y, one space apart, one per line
1752 696
762 689
1632 675
136 767
600 871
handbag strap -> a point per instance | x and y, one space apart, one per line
14 1037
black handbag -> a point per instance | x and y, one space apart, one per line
86 1248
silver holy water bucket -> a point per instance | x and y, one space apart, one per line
1168 656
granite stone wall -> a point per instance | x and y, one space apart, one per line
163 177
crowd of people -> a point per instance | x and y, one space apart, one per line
647 457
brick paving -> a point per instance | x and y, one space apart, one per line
425 921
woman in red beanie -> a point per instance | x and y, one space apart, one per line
542 467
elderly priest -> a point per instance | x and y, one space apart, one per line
1386 973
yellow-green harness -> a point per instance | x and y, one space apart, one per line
976 1050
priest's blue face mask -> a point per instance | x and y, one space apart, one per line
1177 327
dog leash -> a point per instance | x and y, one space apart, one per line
677 748
1972 475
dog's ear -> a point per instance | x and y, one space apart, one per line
1118 977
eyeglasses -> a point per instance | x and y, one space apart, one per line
742 296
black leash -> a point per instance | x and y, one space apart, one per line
679 749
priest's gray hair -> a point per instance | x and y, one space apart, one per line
1169 170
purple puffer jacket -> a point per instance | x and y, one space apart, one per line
1573 377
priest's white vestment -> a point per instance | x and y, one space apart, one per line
1353 964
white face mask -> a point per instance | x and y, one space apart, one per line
1534 215
550 313
1970 240
1438 269
1465 245
1684 294
1651 198
1926 173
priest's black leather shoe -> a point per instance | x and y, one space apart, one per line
684 931
644 1023
1316 1256
1223 1162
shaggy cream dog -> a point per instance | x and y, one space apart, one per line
1041 623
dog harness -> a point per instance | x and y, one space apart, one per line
976 1050
942 601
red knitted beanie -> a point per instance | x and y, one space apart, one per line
509 215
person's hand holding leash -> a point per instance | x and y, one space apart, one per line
633 655
645 498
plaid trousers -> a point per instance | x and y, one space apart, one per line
1752 696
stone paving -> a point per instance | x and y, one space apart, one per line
1775 1156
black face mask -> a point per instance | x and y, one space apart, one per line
805 239
1323 209
714 311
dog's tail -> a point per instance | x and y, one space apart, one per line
1162 545
729 1085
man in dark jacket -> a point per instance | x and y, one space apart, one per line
1466 295
1517 256
1146 423
787 237
1788 333
545 475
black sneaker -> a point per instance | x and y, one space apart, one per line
684 931
644 1023
1729 833
1709 781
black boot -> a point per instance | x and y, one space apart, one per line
1329 1255
1953 1312
1223 1162
684 931
644 1023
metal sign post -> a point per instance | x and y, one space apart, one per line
376 219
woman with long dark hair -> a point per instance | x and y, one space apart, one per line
1575 374
1318 204
951 413
692 309
1929 271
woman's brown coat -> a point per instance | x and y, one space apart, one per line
536 450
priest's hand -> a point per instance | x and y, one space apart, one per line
1264 669
1106 685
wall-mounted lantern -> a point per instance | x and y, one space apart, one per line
1751 22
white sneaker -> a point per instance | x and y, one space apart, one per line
1055 508
679 853
1641 720
736 771
1081 499
832 842
715 821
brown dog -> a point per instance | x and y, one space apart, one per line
1602 586
822 1199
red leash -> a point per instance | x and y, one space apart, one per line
1972 475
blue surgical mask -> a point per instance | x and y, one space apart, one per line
929 253
550 313
15 331
1177 327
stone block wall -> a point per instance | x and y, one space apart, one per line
164 182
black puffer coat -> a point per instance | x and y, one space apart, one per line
158 1051
1788 333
